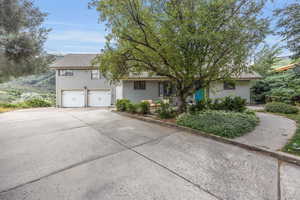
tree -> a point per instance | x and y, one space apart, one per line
289 24
21 35
35 65
266 58
192 42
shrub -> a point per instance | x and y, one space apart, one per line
200 106
278 107
259 91
8 105
32 103
143 108
165 111
249 112
221 123
281 87
236 104
132 108
122 104
35 103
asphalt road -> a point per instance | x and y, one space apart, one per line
95 154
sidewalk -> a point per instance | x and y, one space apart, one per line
272 133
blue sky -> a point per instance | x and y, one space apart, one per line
75 28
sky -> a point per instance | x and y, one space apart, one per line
76 29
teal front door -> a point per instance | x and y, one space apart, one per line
199 95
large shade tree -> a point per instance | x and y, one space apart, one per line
192 42
289 26
21 37
265 58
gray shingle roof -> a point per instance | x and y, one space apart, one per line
74 61
248 76
84 61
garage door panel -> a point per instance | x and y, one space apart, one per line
99 98
73 99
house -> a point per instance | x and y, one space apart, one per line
78 84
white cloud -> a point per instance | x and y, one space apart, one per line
77 36
62 23
64 49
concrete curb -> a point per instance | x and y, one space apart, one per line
281 156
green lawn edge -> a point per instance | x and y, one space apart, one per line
289 147
295 140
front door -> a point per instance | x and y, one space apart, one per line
199 95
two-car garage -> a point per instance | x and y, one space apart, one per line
85 98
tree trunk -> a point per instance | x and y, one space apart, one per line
181 103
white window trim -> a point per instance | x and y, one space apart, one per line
95 72
63 72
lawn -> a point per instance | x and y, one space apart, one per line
293 146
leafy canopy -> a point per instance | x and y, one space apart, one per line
187 41
21 36
289 23
266 58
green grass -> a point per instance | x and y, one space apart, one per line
221 123
31 103
294 143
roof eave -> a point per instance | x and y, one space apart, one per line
164 78
73 67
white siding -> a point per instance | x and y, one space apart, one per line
119 91
242 89
81 80
150 93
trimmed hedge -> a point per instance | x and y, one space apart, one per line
124 105
277 107
221 123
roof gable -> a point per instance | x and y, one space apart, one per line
75 61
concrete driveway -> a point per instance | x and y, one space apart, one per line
95 154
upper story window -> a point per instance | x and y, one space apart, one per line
229 85
95 74
65 72
139 85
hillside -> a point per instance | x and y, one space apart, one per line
33 85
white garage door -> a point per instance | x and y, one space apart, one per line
99 98
73 99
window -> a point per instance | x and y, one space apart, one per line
95 74
229 86
161 89
166 89
139 85
66 72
